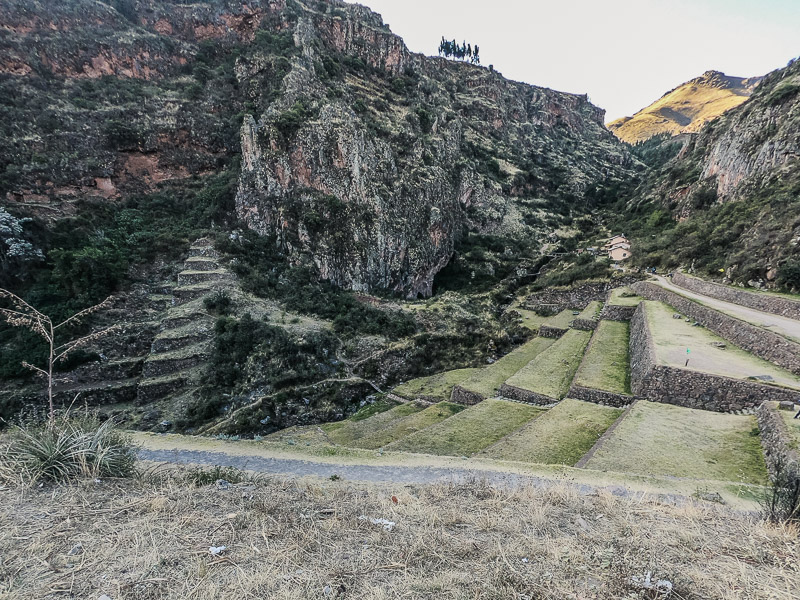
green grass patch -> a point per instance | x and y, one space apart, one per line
400 428
591 311
606 365
530 319
672 337
552 371
489 379
471 430
793 425
560 436
436 386
561 320
623 296
348 432
661 439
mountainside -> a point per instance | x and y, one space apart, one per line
686 108
733 189
364 159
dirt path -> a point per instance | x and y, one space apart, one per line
420 469
789 328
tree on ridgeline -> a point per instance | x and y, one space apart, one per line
463 51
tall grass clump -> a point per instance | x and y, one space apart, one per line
67 449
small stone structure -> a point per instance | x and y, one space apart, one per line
459 395
776 440
776 305
764 344
691 389
523 395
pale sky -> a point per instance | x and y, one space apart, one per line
623 53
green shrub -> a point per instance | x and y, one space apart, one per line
200 477
69 449
789 275
220 302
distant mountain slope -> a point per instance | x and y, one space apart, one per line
686 108
729 201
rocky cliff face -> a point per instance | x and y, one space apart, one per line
358 156
687 108
397 155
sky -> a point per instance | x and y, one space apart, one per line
624 54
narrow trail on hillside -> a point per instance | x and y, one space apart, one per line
397 474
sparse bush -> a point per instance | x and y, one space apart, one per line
220 302
781 503
68 449
200 477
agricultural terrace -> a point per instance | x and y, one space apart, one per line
606 364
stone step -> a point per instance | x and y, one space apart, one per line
216 276
95 394
99 371
175 322
187 293
202 250
158 365
157 388
201 263
182 337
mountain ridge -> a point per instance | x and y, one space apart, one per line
686 108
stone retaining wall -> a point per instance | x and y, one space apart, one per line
614 312
522 395
551 332
765 344
578 392
584 324
764 302
460 395
691 389
776 440
579 296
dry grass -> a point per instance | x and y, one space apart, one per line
305 539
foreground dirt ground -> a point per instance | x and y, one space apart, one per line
314 538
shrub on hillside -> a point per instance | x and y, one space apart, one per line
66 450
781 503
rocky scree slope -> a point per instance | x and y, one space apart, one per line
687 108
728 200
366 160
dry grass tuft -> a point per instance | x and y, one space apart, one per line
292 539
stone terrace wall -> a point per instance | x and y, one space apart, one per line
776 440
584 324
613 312
551 332
578 296
691 389
522 395
765 344
771 304
578 392
461 396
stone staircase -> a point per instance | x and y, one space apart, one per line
164 341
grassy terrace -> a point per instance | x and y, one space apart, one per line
436 386
368 422
471 430
591 310
560 436
622 297
400 428
530 319
661 439
672 337
552 372
561 320
793 425
606 364
489 379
